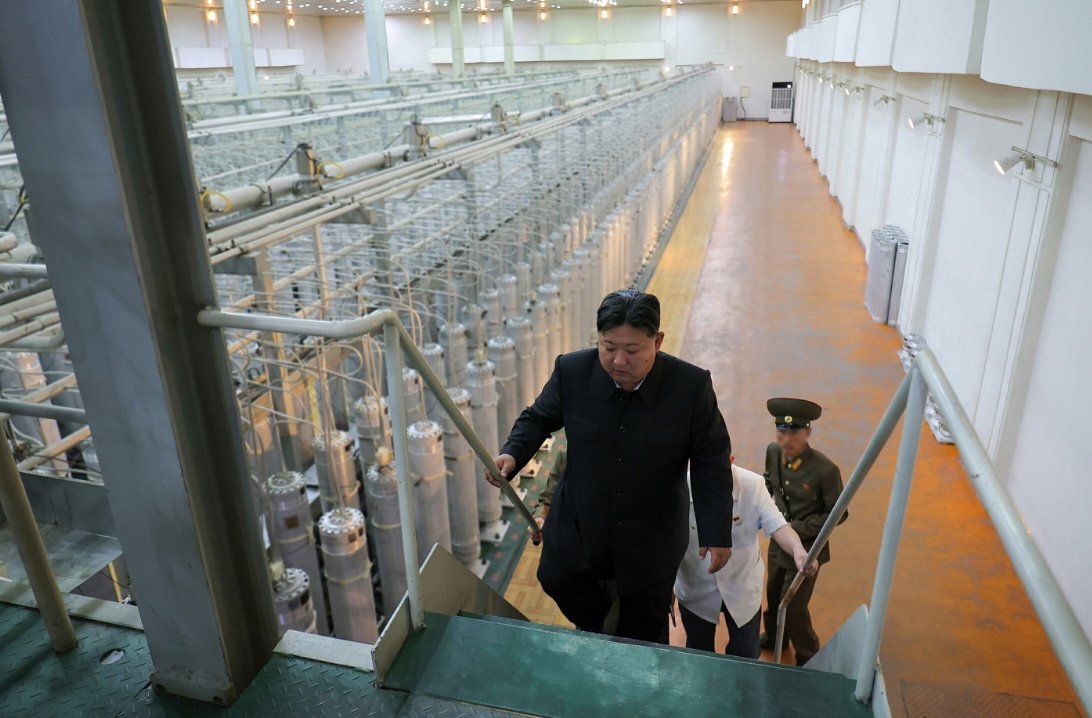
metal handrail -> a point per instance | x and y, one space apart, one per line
395 337
925 376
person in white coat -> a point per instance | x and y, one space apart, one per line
737 589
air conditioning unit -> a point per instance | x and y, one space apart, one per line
781 102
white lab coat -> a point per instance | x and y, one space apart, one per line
739 584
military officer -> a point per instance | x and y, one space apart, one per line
805 484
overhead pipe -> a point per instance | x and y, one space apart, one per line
41 411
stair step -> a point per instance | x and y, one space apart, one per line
553 671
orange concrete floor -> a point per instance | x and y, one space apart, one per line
778 311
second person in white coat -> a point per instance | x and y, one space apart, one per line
737 589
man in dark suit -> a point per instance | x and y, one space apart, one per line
619 523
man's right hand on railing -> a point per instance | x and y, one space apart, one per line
506 464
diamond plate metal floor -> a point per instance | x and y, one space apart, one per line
36 682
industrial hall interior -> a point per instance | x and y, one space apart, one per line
567 358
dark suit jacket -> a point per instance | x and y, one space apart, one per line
622 508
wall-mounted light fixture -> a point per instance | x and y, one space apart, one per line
211 16
255 19
483 17
1021 156
924 118
542 15
291 21
428 19
604 14
883 99
735 8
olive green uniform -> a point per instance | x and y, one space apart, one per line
805 491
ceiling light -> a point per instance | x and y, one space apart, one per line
253 5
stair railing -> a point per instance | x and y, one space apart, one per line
1055 613
396 340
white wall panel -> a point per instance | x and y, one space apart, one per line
974 210
346 44
904 184
201 57
943 36
827 32
876 32
845 35
874 162
1046 474
1039 44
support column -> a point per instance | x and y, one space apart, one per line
93 107
375 24
458 62
241 47
509 43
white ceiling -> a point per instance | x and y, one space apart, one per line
356 7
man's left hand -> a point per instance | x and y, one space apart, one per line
719 556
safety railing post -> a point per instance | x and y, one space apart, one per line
393 355
872 452
896 513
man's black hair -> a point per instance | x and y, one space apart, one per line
632 307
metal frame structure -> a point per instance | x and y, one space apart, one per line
926 377
397 341
95 115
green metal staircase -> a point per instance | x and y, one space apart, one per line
551 671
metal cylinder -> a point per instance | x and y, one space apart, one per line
336 471
519 329
434 355
348 575
563 279
502 352
413 390
523 281
453 338
584 309
482 385
292 598
474 319
426 453
491 304
540 333
373 427
462 490
384 519
550 297
508 287
291 531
